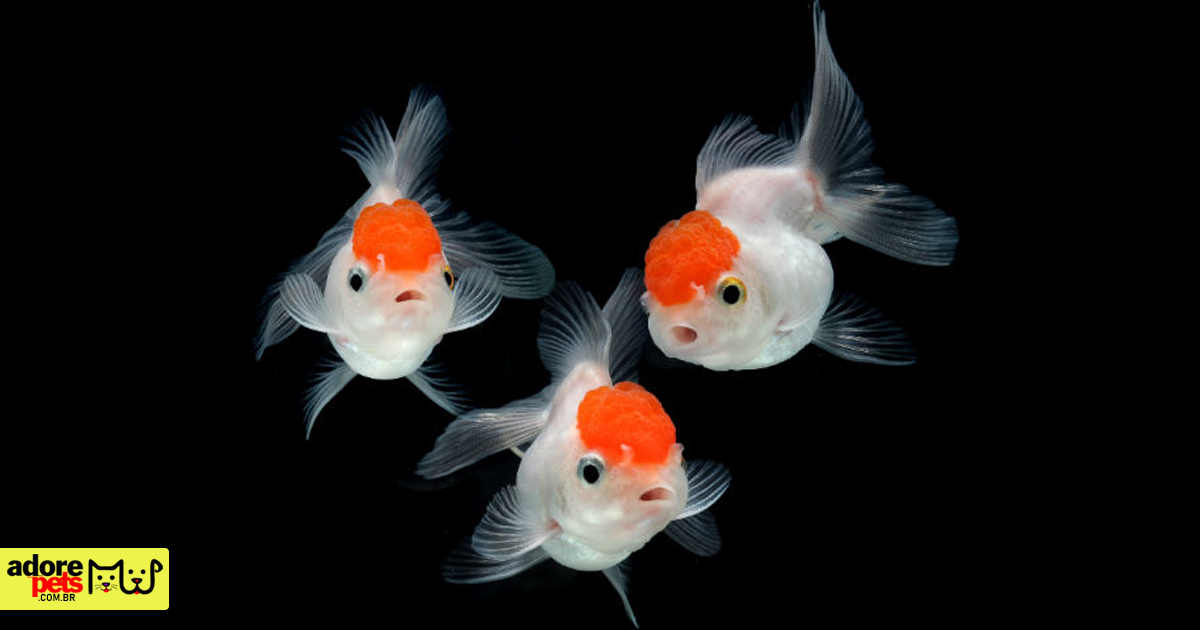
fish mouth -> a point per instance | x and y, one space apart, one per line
409 295
657 493
684 335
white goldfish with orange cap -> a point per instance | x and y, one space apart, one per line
743 281
400 269
603 474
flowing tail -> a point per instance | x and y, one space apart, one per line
836 147
828 144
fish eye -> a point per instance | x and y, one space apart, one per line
448 276
731 291
591 469
358 278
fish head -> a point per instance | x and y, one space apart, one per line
622 481
709 302
389 291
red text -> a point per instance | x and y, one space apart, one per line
63 584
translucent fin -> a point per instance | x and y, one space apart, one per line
616 577
853 330
524 271
464 566
476 296
707 481
504 544
573 330
836 146
408 162
432 382
482 432
303 300
889 219
697 533
371 145
437 208
327 386
737 143
277 325
419 141
627 320
505 532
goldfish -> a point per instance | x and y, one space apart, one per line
603 473
743 280
400 269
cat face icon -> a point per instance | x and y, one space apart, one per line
106 580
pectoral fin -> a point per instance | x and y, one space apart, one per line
464 566
707 481
505 543
698 533
856 331
304 302
695 529
505 531
476 297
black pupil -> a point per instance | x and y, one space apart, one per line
591 473
356 281
731 294
448 277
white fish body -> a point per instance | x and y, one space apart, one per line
579 498
776 200
594 530
388 328
400 269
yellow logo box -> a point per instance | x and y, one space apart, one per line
49 578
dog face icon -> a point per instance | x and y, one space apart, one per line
142 580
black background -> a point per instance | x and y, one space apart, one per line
860 493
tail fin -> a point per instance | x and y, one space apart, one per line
407 162
836 146
575 329
625 317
